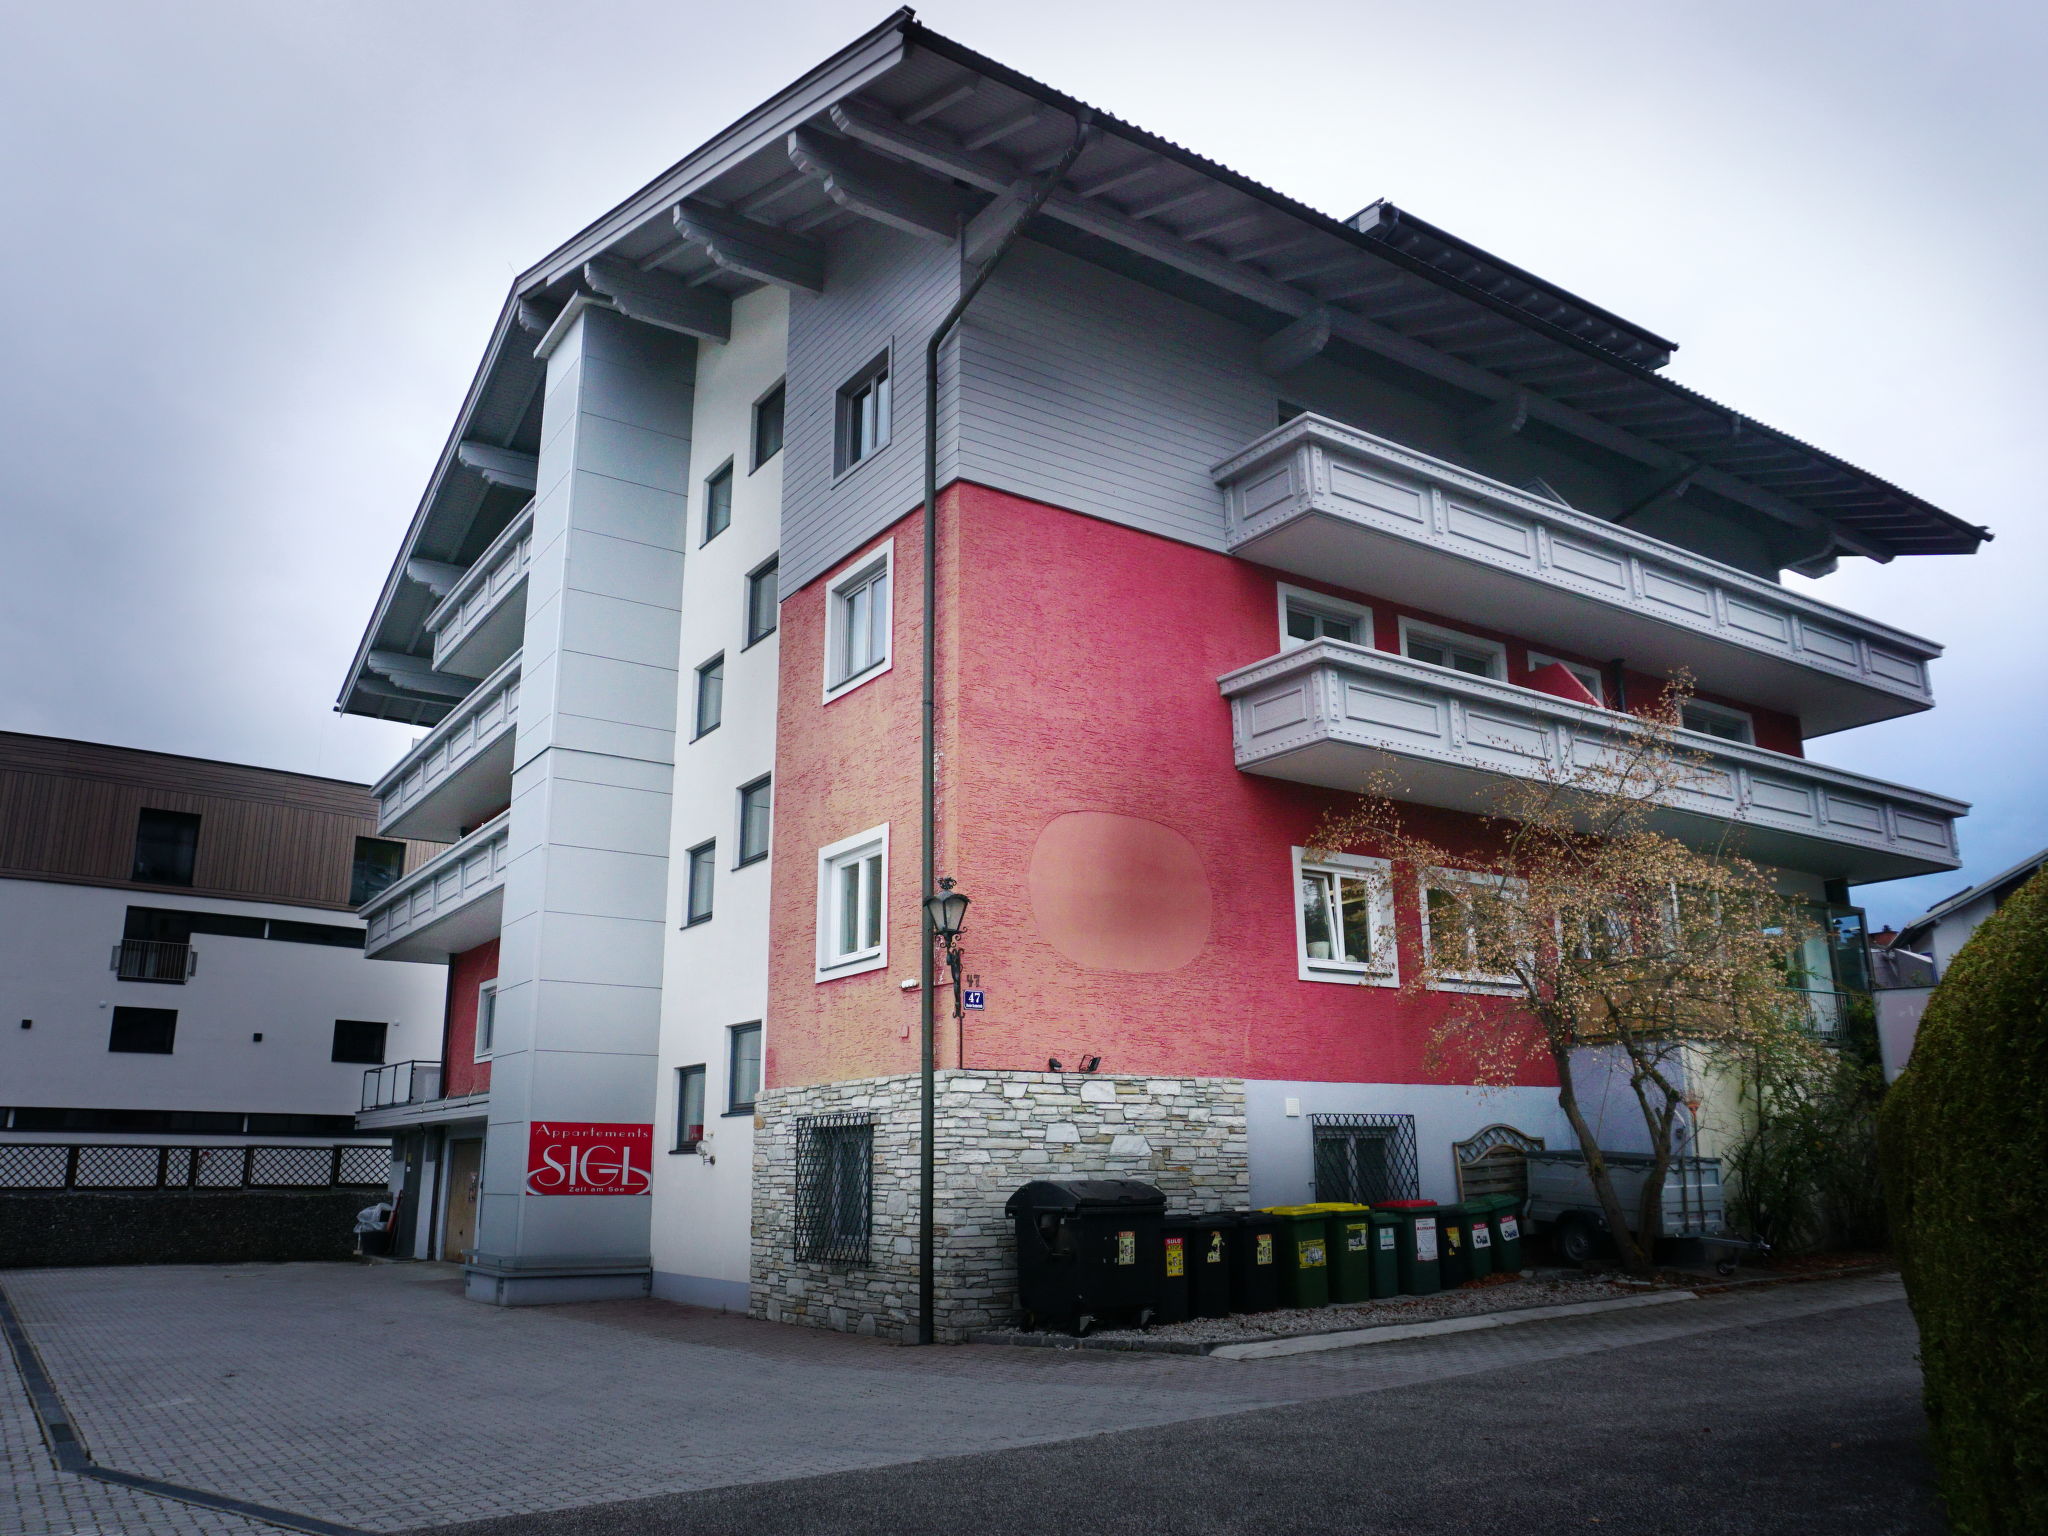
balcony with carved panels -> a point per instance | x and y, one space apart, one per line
460 772
1329 714
453 902
482 620
1338 505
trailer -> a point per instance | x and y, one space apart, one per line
1563 1207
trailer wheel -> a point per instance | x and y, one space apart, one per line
1577 1241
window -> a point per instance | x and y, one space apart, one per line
718 502
1448 648
761 602
1718 720
689 1108
1307 616
702 862
768 425
835 1158
710 695
852 905
1589 677
858 623
1462 935
754 825
1344 928
145 1031
743 1074
166 846
486 1020
287 932
378 863
358 1040
1365 1159
863 427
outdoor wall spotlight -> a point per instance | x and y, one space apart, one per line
947 909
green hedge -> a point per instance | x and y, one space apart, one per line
1964 1140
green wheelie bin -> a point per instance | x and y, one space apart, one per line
1505 1220
1255 1262
1388 1229
1211 1240
1304 1254
1467 1241
1351 1252
1416 1245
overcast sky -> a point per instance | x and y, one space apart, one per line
255 249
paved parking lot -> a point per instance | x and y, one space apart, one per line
376 1398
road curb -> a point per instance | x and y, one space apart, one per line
1311 1343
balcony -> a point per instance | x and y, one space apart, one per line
1329 713
460 771
154 960
401 1082
450 903
1341 506
482 620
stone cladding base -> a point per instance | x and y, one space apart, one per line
994 1131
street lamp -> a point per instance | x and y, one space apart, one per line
945 910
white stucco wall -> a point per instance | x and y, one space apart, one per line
715 974
56 941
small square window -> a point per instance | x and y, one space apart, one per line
144 1031
718 502
1306 617
762 601
754 824
863 425
1467 917
768 425
853 905
379 861
486 1020
359 1041
702 866
166 847
689 1108
743 1077
858 622
1718 720
1459 652
710 695
1344 929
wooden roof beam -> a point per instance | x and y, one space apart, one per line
759 251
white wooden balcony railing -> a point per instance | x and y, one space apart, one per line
450 903
460 771
1326 501
482 620
1329 712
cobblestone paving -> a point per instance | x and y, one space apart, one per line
376 1397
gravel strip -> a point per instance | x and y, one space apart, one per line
1536 1288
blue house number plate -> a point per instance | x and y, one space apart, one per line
973 997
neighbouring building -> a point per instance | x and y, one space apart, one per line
1236 499
1907 963
180 959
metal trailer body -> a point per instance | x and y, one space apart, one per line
1561 1195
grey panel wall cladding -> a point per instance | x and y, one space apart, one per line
882 289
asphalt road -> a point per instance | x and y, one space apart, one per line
1810 1425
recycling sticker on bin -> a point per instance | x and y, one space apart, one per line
1425 1240
1386 1239
1127 1247
1311 1254
1509 1231
1481 1237
1357 1235
1176 1256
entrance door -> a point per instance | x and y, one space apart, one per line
465 1173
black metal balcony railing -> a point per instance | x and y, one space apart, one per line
401 1082
154 960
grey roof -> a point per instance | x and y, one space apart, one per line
2001 885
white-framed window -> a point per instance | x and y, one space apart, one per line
1438 647
1307 616
1344 919
853 904
858 621
863 416
1588 676
1718 720
1451 931
486 1019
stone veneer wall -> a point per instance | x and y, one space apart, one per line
995 1131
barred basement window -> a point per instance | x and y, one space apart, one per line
1365 1159
834 1188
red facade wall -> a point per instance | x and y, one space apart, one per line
461 1072
1133 891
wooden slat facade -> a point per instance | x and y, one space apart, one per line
68 812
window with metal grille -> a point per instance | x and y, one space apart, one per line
834 1188
1365 1158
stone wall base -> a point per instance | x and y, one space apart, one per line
994 1132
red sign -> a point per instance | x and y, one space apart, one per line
564 1158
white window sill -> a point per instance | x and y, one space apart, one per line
1354 976
841 690
846 968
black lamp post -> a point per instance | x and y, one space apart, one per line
945 911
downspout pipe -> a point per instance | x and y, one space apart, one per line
927 1258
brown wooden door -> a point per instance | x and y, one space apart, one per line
465 1175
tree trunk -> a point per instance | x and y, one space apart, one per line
1633 1257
